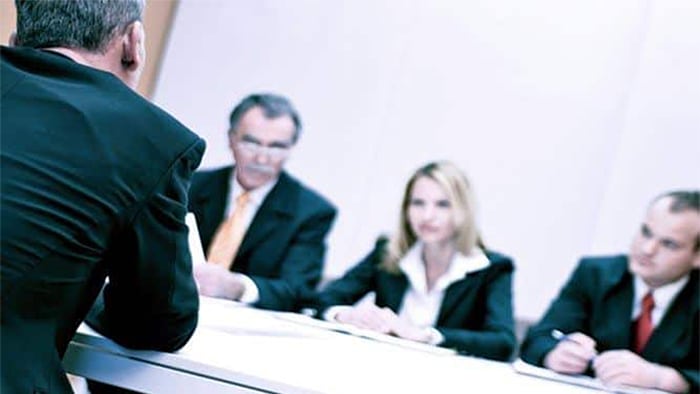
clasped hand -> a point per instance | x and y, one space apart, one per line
383 320
614 367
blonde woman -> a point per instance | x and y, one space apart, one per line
433 279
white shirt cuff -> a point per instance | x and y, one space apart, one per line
251 294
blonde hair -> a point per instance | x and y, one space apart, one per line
461 196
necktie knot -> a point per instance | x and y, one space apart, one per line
242 201
648 301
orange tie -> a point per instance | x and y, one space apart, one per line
229 235
644 325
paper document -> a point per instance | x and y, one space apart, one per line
195 242
363 333
524 368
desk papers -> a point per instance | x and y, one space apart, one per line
524 368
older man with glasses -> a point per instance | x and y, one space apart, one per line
262 230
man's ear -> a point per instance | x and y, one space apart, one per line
133 54
12 41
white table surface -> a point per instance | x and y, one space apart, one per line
242 350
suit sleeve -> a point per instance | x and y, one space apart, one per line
352 286
495 339
151 300
301 268
569 312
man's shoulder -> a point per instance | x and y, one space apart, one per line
210 182
604 263
607 270
162 127
93 98
307 197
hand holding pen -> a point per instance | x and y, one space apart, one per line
572 354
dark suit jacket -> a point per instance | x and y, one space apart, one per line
283 249
94 183
476 314
597 301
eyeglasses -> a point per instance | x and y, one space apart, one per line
255 148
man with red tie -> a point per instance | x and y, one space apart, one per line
632 320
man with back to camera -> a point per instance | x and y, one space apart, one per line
263 231
633 320
79 200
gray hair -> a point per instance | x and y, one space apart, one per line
273 107
77 24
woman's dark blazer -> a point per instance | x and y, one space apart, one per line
476 314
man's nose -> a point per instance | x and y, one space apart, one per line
262 157
649 246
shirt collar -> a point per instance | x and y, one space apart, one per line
257 195
663 296
412 266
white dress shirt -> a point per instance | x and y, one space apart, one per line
421 306
663 297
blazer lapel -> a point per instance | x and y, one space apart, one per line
456 293
278 206
393 288
211 201
612 326
675 321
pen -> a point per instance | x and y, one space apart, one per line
559 336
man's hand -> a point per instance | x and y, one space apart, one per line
572 354
215 281
618 367
623 367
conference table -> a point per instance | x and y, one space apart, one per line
236 349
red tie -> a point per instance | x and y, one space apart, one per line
644 325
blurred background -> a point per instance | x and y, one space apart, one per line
567 116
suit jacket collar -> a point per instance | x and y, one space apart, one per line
615 319
674 323
220 186
413 267
397 285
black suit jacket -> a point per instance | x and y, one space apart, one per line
597 301
94 183
476 314
284 246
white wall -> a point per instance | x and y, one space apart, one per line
568 116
